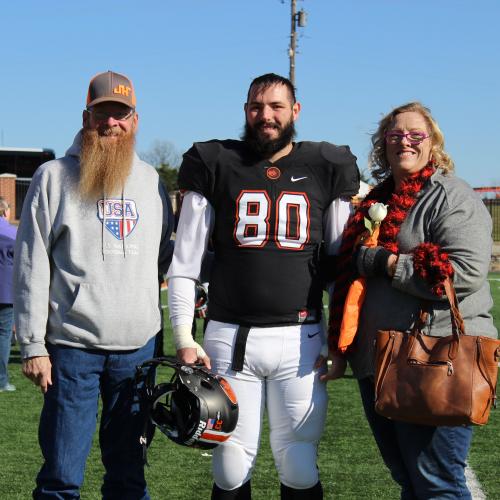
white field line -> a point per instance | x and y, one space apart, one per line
473 484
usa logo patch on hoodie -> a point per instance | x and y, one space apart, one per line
118 216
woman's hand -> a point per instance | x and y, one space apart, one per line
375 261
335 362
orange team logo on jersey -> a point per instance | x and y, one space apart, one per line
273 173
121 89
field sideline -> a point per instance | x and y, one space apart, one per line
348 459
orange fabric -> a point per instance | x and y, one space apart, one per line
354 299
352 308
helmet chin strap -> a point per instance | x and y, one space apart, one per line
147 393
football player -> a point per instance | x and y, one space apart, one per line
270 207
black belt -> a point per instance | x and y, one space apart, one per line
240 345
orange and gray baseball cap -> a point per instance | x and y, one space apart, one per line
111 86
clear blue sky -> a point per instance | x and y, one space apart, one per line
191 62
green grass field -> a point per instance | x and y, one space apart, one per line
348 459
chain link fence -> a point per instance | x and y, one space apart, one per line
22 185
493 206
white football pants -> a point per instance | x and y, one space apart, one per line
278 373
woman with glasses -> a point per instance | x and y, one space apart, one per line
435 226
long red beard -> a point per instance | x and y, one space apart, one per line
105 163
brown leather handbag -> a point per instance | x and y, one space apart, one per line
436 380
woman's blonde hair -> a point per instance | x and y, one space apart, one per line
380 168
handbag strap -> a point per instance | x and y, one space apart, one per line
457 322
456 318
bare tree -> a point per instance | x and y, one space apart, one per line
166 159
162 154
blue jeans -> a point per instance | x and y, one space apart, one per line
68 422
427 462
6 322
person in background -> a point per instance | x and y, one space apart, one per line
269 206
7 241
92 242
436 226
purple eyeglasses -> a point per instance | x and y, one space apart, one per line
413 138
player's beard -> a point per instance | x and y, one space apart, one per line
105 162
268 147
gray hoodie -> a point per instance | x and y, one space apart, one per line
86 272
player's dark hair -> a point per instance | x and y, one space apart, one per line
263 82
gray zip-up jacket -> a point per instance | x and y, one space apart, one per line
86 272
450 214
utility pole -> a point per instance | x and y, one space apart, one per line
300 19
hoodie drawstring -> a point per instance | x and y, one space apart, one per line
124 227
103 225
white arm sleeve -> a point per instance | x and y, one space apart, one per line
192 235
181 298
193 232
334 222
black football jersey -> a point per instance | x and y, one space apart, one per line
268 226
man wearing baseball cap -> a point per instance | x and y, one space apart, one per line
92 241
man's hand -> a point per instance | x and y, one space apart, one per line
188 351
39 370
191 355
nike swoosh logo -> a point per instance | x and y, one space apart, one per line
313 335
296 179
